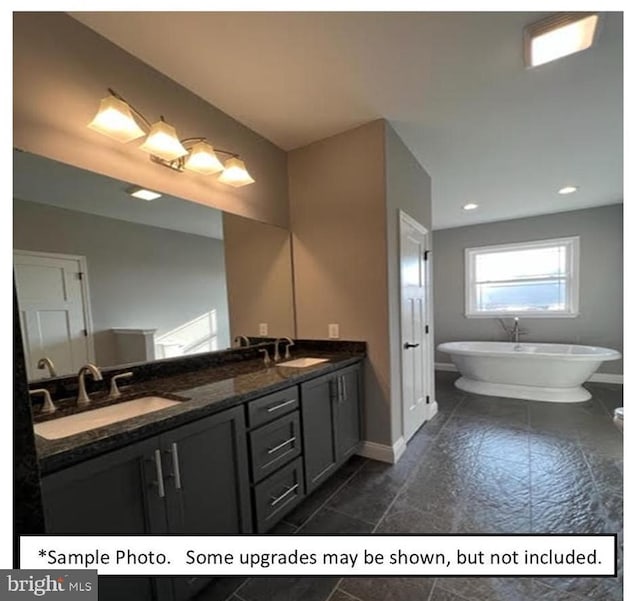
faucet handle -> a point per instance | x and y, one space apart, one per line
266 359
114 391
290 343
47 406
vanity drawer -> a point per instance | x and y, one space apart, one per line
278 494
272 406
274 445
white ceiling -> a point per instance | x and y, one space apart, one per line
452 85
42 180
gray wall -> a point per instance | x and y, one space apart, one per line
61 71
600 319
408 188
139 276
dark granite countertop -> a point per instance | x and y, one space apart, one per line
204 391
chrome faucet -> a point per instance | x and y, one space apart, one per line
276 352
242 341
46 363
83 398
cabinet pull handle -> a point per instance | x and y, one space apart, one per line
286 493
281 405
282 444
159 477
341 394
176 466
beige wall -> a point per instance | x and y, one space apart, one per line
61 71
408 188
338 221
259 277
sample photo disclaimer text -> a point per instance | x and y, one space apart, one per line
372 555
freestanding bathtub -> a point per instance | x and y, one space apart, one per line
535 371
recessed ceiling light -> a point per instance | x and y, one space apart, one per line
568 190
470 206
142 193
558 36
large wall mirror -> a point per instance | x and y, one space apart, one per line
106 277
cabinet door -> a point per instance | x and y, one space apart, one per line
208 476
347 412
116 493
318 433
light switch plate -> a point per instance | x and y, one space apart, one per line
263 329
334 330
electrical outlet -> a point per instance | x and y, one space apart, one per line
334 330
263 328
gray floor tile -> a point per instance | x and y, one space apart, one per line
403 518
389 589
489 589
339 595
220 589
440 594
328 521
287 589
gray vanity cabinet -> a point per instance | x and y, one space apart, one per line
111 494
203 489
330 422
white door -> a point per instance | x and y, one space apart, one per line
413 314
53 304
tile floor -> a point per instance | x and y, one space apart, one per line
483 464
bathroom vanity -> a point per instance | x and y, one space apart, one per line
245 445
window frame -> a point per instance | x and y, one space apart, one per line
572 244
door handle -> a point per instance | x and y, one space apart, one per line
176 466
409 345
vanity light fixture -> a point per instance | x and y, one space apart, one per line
568 190
119 120
470 206
143 193
558 36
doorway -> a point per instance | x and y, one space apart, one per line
418 404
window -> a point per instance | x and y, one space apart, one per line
536 279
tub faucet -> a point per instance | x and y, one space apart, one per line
515 331
83 398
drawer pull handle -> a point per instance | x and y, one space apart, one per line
282 444
286 493
159 477
281 405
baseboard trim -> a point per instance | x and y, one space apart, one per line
383 452
606 378
597 377
445 367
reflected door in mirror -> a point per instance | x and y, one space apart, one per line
52 301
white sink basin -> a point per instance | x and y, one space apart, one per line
303 362
97 418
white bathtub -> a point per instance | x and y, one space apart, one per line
535 371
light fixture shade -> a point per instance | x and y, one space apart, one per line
163 142
114 119
558 36
235 173
203 159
